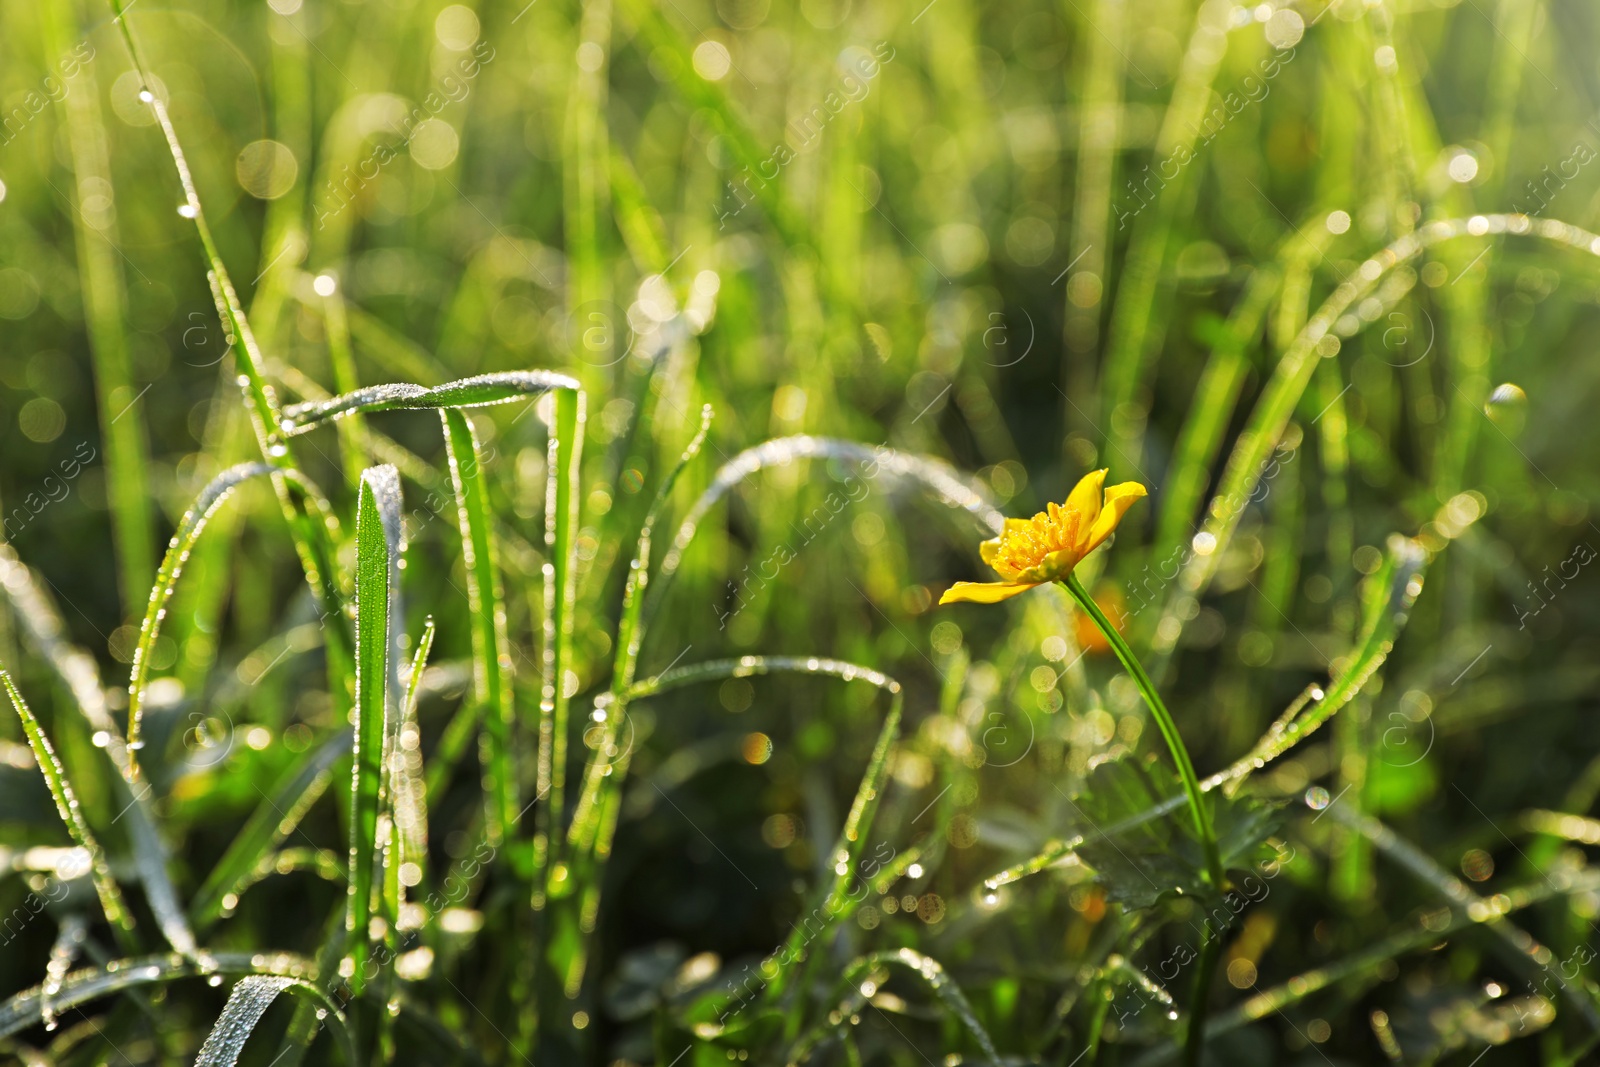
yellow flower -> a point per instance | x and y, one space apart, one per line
1045 548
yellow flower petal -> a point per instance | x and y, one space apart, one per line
1119 498
1084 502
984 592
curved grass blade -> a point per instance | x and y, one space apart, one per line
481 390
248 1002
491 646
749 666
1414 936
948 486
189 528
1519 948
78 672
1282 393
269 825
377 596
932 972
325 863
55 777
25 1009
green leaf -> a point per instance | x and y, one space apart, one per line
377 596
1152 859
55 777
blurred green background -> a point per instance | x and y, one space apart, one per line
1027 239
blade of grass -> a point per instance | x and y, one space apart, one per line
81 987
314 543
1290 378
1414 936
560 593
673 57
572 920
410 791
1134 330
832 901
189 528
1214 399
55 776
491 646
584 173
247 1003
79 673
630 636
105 306
480 390
933 974
269 825
378 543
1518 947
1100 107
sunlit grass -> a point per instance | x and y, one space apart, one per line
606 717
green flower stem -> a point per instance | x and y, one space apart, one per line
1194 1039
1169 729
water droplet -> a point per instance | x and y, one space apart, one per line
187 211
278 450
214 981
146 95
1507 407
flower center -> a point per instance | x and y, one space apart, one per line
1025 547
